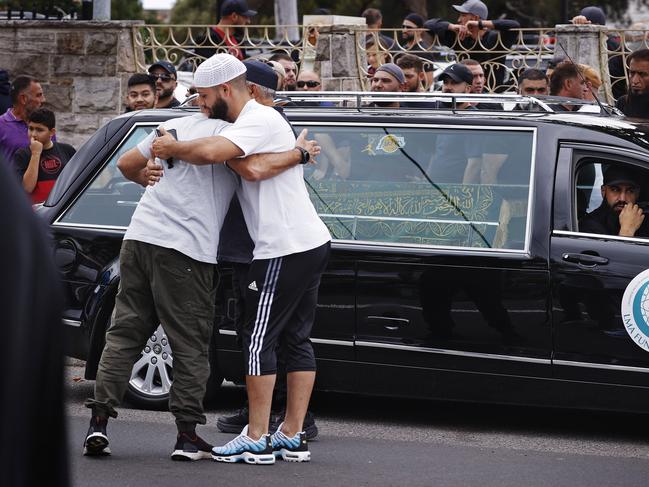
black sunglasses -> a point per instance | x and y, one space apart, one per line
162 77
310 84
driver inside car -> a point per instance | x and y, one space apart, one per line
619 213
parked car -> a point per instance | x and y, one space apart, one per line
477 287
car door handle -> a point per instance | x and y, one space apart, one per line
585 259
387 322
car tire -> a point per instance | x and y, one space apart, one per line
152 374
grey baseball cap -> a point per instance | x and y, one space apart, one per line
475 7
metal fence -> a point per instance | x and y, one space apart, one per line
187 46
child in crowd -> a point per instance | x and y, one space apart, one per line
40 164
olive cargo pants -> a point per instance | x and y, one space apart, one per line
159 286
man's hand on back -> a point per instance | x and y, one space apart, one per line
310 145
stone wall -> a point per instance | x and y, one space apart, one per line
338 53
586 44
83 67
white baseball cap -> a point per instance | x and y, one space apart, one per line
217 70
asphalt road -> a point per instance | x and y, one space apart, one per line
381 442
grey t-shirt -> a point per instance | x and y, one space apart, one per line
186 209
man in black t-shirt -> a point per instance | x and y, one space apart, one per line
166 81
486 40
40 164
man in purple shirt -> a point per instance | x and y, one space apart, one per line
26 96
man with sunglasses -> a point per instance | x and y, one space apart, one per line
164 74
308 81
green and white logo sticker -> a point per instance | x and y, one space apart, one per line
635 310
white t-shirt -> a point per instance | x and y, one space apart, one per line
186 208
278 211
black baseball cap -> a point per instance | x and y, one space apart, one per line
595 14
416 19
166 65
237 7
458 73
621 175
261 74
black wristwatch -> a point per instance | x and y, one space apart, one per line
305 155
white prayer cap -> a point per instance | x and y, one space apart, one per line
217 70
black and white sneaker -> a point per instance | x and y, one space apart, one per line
234 423
191 447
96 442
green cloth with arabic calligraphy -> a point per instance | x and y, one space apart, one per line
413 213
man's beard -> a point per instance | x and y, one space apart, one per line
166 93
291 87
618 207
219 110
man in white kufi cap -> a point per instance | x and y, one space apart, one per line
291 252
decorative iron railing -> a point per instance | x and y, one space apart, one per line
187 46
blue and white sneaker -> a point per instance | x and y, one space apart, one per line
295 449
243 448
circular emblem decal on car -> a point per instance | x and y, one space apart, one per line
635 310
391 143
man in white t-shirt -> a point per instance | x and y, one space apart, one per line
168 275
291 252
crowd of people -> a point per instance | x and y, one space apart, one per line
394 65
476 35
412 58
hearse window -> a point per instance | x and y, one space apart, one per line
604 187
110 199
458 187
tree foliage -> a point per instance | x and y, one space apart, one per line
530 14
194 12
126 10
